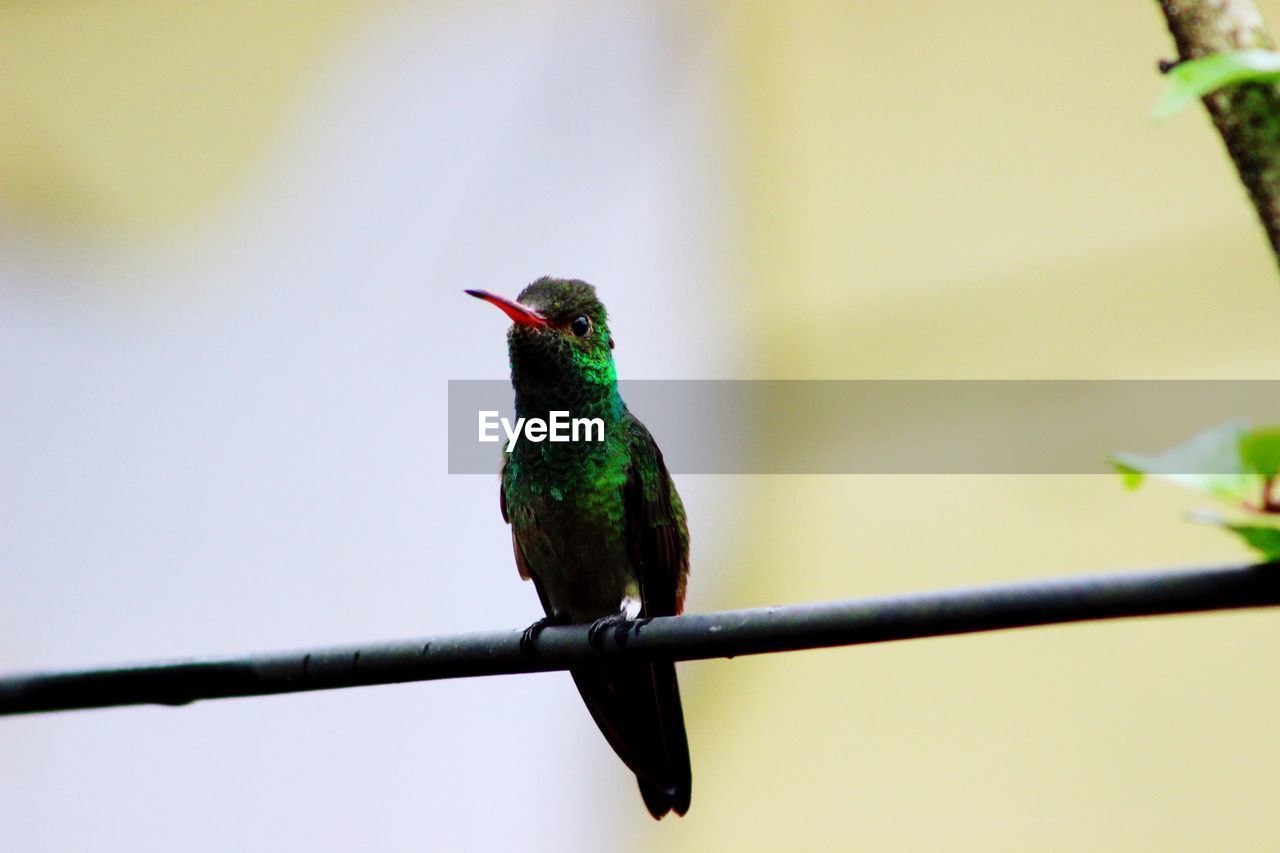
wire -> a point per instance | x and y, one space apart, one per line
688 637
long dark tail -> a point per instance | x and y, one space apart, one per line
637 706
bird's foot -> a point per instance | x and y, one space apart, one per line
619 623
530 634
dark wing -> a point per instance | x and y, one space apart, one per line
656 530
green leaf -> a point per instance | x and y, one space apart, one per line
1196 78
1231 462
1261 532
1209 462
1260 451
1264 540
1131 477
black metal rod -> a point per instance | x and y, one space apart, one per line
689 637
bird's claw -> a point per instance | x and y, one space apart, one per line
530 635
618 622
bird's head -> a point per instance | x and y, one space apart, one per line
559 336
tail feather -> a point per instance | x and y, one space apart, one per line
637 707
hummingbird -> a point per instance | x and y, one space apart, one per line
597 525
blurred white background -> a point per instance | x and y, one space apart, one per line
229 437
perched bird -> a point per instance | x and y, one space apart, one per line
597 525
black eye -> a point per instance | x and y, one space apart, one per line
580 325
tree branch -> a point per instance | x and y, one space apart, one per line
689 637
1247 116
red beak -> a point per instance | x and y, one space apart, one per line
517 312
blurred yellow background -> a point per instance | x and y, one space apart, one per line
842 191
961 192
